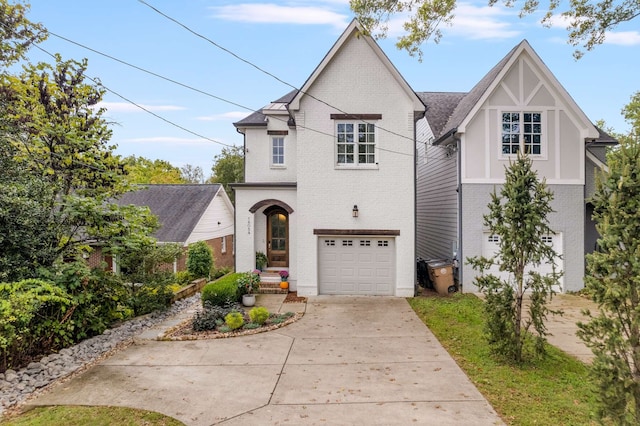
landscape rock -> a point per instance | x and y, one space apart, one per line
16 386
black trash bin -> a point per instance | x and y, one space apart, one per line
423 274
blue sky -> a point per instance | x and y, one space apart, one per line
288 39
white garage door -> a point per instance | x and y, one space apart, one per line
356 265
490 248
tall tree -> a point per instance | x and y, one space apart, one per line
192 174
613 280
228 167
141 170
68 172
518 217
588 20
17 33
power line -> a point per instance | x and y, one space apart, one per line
139 68
259 68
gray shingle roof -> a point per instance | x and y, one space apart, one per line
178 207
440 106
257 118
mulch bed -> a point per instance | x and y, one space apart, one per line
292 297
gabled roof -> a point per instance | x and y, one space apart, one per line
473 100
355 30
440 107
178 207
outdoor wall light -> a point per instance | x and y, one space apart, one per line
354 212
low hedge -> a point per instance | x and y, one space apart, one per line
221 292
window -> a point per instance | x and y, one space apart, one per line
356 143
223 245
365 243
383 243
521 132
347 243
277 151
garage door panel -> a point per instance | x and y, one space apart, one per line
490 247
356 266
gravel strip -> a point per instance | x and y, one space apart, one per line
17 386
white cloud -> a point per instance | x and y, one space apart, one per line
483 22
269 13
128 107
233 115
623 38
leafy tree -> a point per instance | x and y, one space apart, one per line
199 259
142 170
518 217
17 33
57 194
588 20
228 167
191 174
613 281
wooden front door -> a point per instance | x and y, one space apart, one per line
278 238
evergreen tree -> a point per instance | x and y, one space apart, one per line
613 282
518 217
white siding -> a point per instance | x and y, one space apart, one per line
216 221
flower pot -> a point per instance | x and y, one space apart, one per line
248 299
284 284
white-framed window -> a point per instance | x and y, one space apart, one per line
223 245
522 131
277 151
355 143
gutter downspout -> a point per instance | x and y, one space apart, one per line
459 254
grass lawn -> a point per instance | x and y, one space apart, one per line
93 416
552 391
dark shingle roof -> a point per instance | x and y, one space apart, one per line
440 106
257 118
178 207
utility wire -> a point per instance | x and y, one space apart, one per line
259 68
123 62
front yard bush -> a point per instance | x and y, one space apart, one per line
259 315
234 320
212 316
153 295
221 292
199 259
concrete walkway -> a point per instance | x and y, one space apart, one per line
348 361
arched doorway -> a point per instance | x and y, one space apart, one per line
277 236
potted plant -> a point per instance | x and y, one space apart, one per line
261 260
248 284
284 279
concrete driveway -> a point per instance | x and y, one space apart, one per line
349 360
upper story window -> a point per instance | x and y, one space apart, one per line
277 150
522 131
356 143
355 139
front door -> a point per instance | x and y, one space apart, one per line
278 238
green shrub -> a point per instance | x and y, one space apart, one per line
234 320
259 315
212 316
151 296
184 278
199 259
251 326
31 314
221 292
248 283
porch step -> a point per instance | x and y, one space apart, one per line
272 288
270 282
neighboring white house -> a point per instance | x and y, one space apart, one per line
348 179
330 177
468 140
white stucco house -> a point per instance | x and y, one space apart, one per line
330 177
353 176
